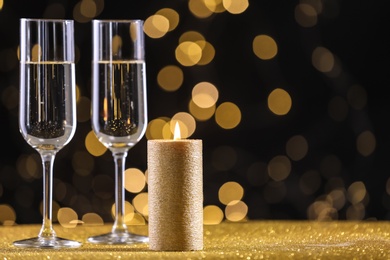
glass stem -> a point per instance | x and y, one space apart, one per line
119 224
47 230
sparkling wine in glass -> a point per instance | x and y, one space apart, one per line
47 108
119 106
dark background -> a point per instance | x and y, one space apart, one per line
356 32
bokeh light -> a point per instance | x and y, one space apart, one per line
207 50
228 115
134 180
170 78
156 128
92 219
205 95
212 215
235 6
297 147
77 14
29 167
156 26
356 192
264 47
236 210
279 101
306 15
188 53
230 191
199 8
130 216
88 8
193 36
216 6
8 215
323 60
67 217
172 16
366 143
140 203
279 168
208 53
199 113
93 145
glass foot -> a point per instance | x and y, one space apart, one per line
47 242
118 238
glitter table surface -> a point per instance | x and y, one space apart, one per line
246 240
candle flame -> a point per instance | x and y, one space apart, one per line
176 134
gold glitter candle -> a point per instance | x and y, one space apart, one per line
175 181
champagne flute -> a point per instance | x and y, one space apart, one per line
47 109
119 112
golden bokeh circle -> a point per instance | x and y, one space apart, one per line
212 215
156 26
134 180
279 101
170 78
205 94
93 145
228 115
230 191
264 47
188 53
